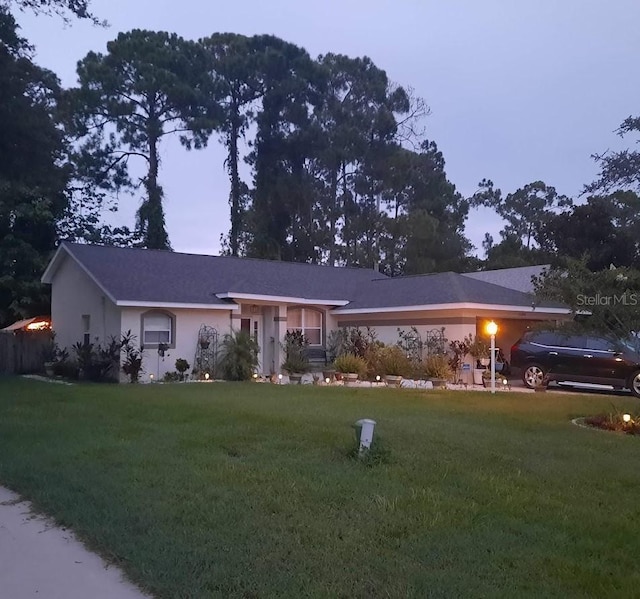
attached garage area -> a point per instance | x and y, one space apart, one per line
511 328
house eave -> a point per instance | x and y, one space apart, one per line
281 299
453 306
174 305
47 276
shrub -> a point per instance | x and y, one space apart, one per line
172 377
479 348
132 363
614 422
393 361
459 350
295 348
350 340
239 356
67 369
182 366
348 363
96 362
437 367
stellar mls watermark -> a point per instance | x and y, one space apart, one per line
601 299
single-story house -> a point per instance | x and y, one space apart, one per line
167 299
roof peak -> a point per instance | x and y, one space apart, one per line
378 274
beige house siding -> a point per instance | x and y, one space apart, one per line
187 325
75 295
386 325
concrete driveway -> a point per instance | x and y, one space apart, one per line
38 559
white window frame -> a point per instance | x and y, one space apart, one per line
86 329
304 328
171 330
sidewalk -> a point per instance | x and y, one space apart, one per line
38 559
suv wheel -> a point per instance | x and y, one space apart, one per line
533 376
634 383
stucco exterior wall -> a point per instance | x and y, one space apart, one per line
187 325
386 325
74 294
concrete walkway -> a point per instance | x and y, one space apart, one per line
38 559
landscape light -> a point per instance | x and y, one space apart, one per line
327 380
206 376
492 328
626 417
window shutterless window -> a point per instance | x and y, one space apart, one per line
157 328
86 329
308 321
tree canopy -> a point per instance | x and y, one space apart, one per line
144 88
63 8
327 158
33 176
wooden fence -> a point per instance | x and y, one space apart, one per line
24 352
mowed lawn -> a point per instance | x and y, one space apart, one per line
248 490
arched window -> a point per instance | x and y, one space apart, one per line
158 327
307 320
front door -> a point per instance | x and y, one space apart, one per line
251 326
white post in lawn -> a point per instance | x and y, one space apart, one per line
492 329
366 433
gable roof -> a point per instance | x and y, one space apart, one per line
131 276
518 278
141 277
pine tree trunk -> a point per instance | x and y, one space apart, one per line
151 214
234 199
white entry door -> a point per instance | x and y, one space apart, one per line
251 325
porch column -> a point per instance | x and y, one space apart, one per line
279 331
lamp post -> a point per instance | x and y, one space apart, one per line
492 329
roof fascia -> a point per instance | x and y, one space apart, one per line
453 306
48 275
139 304
280 299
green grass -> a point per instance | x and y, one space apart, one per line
248 490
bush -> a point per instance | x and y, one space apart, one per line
181 367
351 340
393 361
348 363
479 348
437 367
295 351
132 364
98 363
67 369
239 356
172 377
615 422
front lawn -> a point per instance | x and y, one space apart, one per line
248 490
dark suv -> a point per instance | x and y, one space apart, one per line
564 357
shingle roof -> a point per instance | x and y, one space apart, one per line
162 276
518 278
440 288
157 276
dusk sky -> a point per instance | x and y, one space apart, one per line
519 91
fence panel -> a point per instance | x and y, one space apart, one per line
24 352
